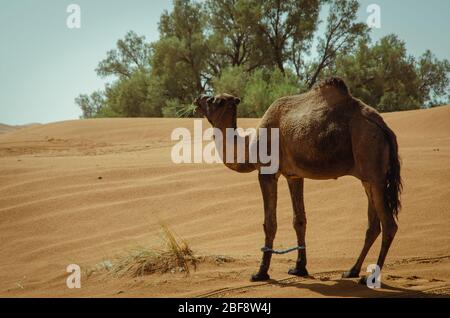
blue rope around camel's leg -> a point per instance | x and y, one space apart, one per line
266 249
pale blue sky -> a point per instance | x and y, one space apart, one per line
44 65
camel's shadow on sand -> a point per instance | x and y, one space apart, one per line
351 288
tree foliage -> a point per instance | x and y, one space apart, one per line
386 77
342 32
233 28
260 50
286 29
180 56
132 54
91 105
433 78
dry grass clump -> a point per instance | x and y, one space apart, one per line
176 257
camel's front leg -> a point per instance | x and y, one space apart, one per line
299 222
268 184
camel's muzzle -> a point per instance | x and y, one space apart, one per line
202 103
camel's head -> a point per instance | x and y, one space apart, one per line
217 108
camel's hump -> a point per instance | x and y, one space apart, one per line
336 82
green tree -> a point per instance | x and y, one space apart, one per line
258 50
341 34
181 53
257 89
233 26
232 81
434 79
179 62
386 77
91 105
129 62
285 29
129 97
383 75
132 53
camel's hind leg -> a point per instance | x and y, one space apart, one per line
299 222
388 224
268 184
375 192
371 152
372 232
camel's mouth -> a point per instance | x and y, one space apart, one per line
197 108
201 103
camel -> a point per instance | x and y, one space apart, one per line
325 133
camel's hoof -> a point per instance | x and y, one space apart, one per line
259 277
302 272
350 274
363 280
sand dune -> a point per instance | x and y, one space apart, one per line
6 128
83 191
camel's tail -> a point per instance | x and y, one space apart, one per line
393 183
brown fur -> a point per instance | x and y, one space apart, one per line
325 133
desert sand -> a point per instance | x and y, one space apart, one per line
84 191
6 128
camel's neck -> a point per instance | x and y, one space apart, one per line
235 150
